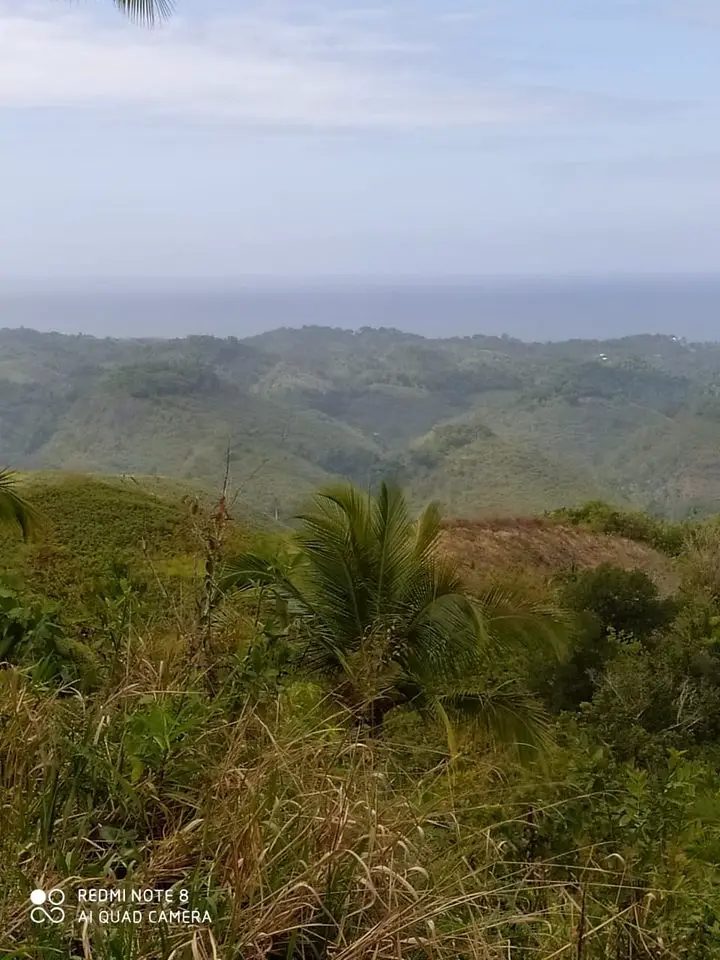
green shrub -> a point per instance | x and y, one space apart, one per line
662 535
613 606
32 637
626 602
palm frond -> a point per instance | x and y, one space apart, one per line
14 509
336 538
147 12
388 618
428 528
392 532
282 574
445 640
444 629
246 572
347 502
251 571
508 716
512 619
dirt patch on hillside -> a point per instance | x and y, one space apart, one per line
548 547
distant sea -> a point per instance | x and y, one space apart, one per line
527 309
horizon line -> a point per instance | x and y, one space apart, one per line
683 341
12 286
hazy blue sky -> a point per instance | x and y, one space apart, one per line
333 137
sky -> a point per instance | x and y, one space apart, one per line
336 138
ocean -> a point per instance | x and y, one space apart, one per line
536 310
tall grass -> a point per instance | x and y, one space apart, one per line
301 838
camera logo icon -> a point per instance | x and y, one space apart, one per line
47 906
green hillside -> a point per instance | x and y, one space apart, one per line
673 465
633 420
376 735
480 472
93 528
276 452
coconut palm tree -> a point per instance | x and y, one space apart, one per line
13 508
381 612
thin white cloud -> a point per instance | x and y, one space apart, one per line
334 70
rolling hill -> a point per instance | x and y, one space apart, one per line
90 526
547 547
485 424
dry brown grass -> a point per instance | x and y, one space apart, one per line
543 546
304 840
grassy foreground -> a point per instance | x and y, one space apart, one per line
143 745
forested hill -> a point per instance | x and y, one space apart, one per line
486 424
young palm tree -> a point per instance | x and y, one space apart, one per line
385 616
13 508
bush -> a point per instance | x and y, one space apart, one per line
662 535
32 637
613 606
626 602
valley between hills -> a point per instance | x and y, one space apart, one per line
377 730
486 425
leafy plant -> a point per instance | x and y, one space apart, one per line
31 636
14 509
658 533
612 607
627 602
381 613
